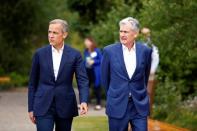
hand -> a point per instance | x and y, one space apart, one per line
90 62
32 117
83 108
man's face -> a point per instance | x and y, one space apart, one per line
55 34
127 36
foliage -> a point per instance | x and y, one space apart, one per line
167 97
107 30
24 23
16 21
16 80
173 31
90 12
168 107
183 118
23 28
174 34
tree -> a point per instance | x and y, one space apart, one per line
17 22
173 25
23 27
107 30
91 12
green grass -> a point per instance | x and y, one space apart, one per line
92 123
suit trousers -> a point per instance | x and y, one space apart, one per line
51 118
138 122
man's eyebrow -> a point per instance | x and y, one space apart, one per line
52 31
123 31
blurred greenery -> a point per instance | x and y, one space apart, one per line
173 31
177 116
24 23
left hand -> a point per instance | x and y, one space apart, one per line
32 117
83 108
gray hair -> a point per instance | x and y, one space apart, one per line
132 21
63 23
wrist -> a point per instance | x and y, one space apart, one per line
83 103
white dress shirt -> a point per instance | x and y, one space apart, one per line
57 56
129 59
155 59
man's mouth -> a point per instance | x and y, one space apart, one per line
123 39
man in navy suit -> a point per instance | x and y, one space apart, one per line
51 98
124 73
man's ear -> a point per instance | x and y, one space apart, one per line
65 35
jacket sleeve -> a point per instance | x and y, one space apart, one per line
105 70
82 79
148 65
33 81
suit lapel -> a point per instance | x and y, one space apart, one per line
122 63
63 60
138 51
50 60
121 59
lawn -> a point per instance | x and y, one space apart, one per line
100 123
90 123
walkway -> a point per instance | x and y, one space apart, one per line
13 111
14 116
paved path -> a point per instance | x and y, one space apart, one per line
13 112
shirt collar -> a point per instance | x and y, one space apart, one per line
55 50
132 49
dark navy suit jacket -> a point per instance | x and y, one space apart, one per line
117 83
43 88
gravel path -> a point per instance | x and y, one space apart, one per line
13 111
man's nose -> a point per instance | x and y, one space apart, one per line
51 36
122 34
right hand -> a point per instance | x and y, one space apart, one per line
32 117
90 62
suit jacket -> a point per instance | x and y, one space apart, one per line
117 83
43 88
96 66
